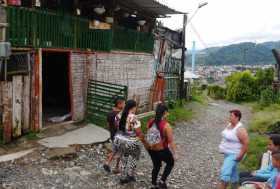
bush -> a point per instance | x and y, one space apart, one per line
216 92
277 97
267 97
240 87
264 78
243 86
203 87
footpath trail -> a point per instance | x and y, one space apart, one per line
197 167
198 140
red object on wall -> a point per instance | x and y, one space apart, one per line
14 2
159 85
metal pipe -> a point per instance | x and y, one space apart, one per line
183 58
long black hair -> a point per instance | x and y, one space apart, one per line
128 106
160 110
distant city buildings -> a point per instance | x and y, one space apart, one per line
217 74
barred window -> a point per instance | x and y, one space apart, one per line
18 64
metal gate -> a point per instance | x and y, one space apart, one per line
100 100
172 78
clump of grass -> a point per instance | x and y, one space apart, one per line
257 147
200 97
31 136
179 114
264 117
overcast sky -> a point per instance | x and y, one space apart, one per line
224 22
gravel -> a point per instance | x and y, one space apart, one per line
197 167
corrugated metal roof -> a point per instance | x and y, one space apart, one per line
153 6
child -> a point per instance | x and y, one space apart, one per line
113 121
275 182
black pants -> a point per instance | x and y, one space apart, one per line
158 157
247 177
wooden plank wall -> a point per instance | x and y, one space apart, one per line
7 89
17 85
15 107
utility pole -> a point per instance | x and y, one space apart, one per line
182 95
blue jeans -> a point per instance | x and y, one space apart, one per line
229 170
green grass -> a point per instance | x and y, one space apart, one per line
177 114
262 118
200 97
31 136
257 147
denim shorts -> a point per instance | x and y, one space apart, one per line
229 171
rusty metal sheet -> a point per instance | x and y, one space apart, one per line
26 104
7 111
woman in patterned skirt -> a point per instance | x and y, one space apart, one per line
128 142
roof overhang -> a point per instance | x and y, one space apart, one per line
157 9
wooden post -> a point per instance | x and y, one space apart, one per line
36 105
26 104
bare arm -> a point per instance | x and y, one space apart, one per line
141 136
244 139
170 140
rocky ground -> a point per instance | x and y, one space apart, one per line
197 166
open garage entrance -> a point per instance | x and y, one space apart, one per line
56 100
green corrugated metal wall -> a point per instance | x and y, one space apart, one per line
46 29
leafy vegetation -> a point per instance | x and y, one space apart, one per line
199 93
246 87
216 92
240 87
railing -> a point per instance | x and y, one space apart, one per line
131 40
46 29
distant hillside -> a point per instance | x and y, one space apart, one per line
242 53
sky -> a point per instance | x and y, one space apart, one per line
224 22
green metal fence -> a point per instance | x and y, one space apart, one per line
100 100
40 28
46 29
131 40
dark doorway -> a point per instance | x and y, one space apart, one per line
56 92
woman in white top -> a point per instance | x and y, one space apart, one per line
234 146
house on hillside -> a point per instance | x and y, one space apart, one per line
63 50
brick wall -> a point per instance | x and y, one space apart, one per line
79 84
130 69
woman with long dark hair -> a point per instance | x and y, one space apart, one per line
128 141
161 146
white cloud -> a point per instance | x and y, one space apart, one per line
223 22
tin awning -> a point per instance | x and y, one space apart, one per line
152 6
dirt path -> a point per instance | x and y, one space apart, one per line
197 167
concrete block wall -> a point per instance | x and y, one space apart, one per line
125 68
79 84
